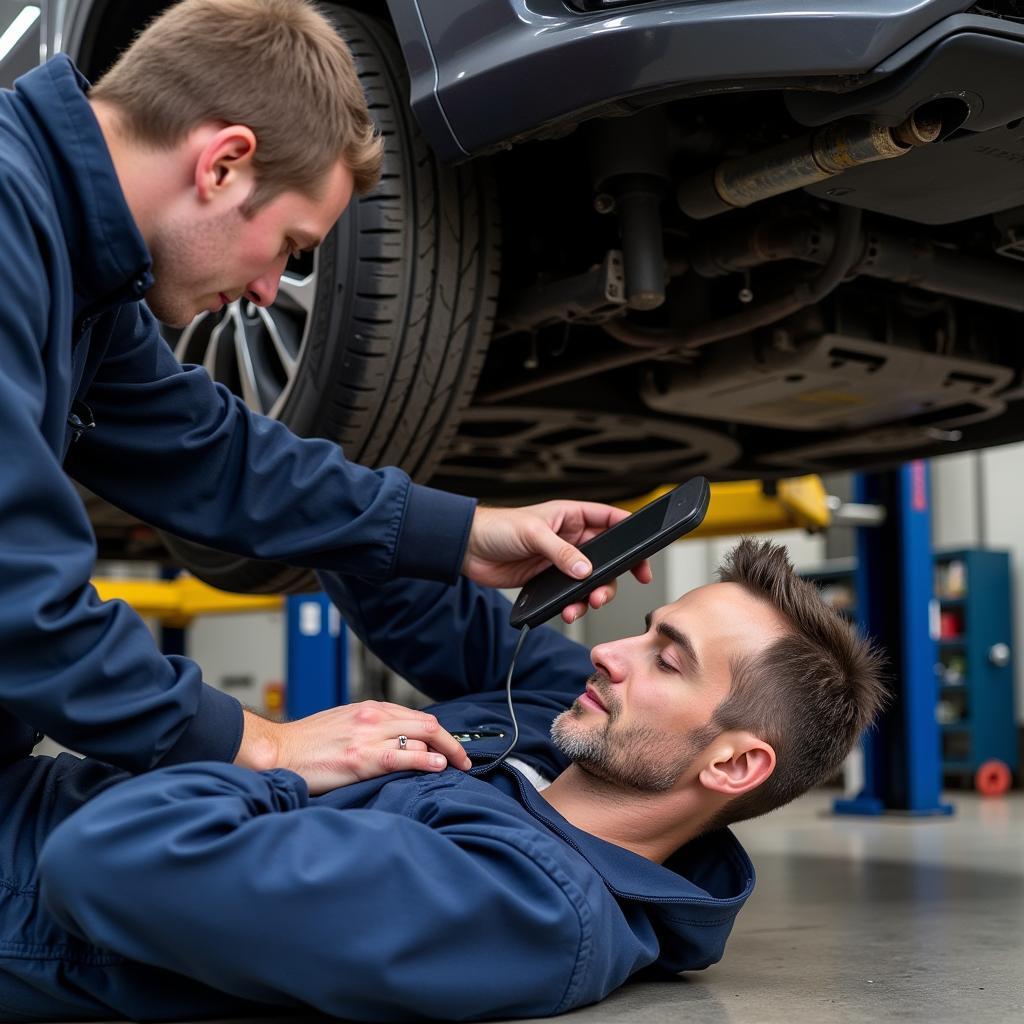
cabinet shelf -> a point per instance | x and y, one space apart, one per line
976 619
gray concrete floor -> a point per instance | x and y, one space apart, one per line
857 919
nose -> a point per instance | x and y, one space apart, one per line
263 290
611 659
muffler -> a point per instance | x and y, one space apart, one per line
795 163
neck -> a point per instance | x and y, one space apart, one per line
653 825
148 177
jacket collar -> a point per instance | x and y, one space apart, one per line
109 258
713 871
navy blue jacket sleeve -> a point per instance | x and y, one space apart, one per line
85 672
187 455
226 876
450 641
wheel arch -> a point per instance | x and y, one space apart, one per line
96 31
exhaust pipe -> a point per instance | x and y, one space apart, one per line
793 164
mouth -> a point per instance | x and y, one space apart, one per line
589 698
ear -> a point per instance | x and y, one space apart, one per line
223 166
738 762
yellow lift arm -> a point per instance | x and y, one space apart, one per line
177 602
742 506
736 507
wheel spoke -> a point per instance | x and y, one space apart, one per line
288 361
213 349
299 293
243 356
182 344
254 351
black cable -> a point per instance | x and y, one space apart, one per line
508 694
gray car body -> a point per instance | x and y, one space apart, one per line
488 72
726 77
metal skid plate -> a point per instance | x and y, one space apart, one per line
831 383
548 452
968 176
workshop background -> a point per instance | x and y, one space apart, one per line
868 908
856 917
977 498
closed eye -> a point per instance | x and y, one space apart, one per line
664 665
680 642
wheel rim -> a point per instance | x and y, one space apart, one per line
255 352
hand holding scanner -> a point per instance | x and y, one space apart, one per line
615 551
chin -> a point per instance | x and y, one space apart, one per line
172 314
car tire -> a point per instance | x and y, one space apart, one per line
406 289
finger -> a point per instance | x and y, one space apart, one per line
427 729
544 541
410 744
580 521
390 759
596 599
600 597
643 572
391 710
594 514
602 516
572 612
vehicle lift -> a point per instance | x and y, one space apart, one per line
902 765
896 607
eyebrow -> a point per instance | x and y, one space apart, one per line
680 639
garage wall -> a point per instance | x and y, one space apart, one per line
240 654
978 501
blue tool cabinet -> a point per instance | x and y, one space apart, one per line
975 678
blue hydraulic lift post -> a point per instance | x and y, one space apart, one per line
316 676
902 754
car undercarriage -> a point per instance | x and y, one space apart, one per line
619 243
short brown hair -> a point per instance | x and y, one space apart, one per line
275 66
810 694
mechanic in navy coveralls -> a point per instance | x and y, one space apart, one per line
200 889
154 186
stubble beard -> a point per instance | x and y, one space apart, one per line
639 758
178 252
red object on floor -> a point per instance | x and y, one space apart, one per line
993 778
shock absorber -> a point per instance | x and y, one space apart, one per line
629 165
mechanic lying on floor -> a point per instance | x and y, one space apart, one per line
451 895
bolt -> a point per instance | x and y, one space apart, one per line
782 340
532 360
604 203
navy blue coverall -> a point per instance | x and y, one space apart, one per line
444 896
168 446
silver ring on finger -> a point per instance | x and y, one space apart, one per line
403 742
